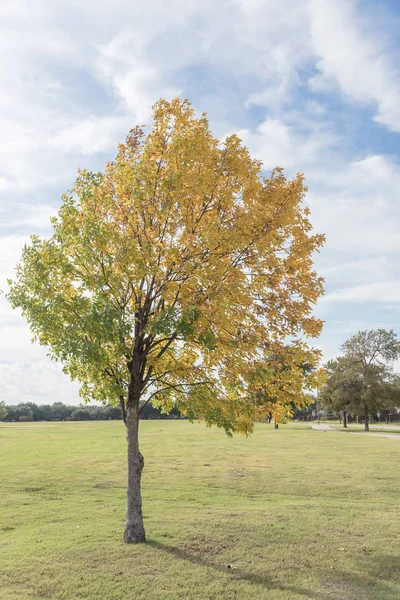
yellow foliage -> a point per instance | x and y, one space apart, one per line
178 274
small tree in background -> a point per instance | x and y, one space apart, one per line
281 385
3 411
173 277
80 414
14 413
363 381
111 412
342 390
373 353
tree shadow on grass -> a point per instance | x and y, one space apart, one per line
377 578
238 574
353 586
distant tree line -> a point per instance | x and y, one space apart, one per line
310 413
29 411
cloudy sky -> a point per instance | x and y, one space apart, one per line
310 85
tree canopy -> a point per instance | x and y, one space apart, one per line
3 411
343 388
362 381
183 252
181 274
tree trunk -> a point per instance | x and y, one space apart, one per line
276 426
123 410
345 418
134 528
366 418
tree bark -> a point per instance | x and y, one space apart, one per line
366 418
345 418
134 528
123 410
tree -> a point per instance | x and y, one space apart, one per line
3 411
21 410
168 278
342 390
111 412
80 414
47 412
280 384
362 381
60 411
37 412
373 353
96 413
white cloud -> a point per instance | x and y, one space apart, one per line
355 59
34 217
41 382
123 64
92 135
315 108
357 207
297 144
10 253
77 76
362 270
384 291
276 35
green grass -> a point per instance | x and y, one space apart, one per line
288 514
359 427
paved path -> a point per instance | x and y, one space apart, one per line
383 427
324 427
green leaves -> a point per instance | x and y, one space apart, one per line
3 410
208 340
363 377
171 321
377 346
170 274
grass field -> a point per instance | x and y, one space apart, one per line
375 428
288 514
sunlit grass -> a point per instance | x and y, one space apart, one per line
287 514
374 428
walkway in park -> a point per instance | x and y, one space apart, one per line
325 427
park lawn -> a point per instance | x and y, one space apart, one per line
288 514
359 427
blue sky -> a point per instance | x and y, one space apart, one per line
310 85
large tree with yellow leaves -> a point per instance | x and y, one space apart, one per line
182 276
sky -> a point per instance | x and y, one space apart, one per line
309 85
